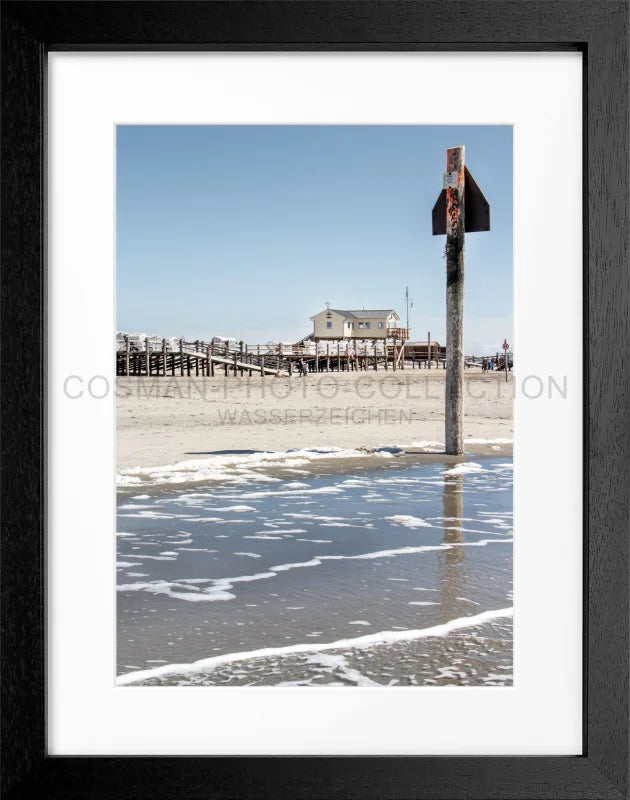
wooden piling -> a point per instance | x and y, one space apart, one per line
455 216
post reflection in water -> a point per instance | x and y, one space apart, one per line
452 567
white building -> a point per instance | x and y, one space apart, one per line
335 323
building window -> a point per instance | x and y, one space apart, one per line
329 324
367 324
380 324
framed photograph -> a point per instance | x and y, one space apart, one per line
314 375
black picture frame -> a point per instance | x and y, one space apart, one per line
599 30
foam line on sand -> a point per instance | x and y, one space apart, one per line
370 640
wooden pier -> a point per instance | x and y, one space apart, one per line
197 359
207 359
203 359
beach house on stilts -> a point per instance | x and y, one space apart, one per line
339 324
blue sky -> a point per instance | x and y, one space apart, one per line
247 231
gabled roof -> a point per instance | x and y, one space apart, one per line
365 313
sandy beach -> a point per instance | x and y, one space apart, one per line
168 420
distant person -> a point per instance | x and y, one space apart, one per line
491 365
484 364
302 367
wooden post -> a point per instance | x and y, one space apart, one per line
164 357
148 356
394 353
338 357
455 211
181 357
429 349
127 356
316 355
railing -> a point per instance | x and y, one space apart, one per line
399 333
331 347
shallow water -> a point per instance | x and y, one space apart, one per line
396 567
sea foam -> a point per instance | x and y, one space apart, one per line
360 642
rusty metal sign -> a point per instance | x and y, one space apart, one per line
476 209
